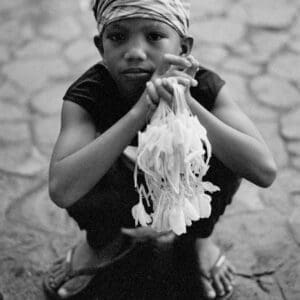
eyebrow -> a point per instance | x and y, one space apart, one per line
115 26
155 25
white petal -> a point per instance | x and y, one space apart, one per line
139 214
176 220
204 206
190 211
208 186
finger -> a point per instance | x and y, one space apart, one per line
194 66
134 234
182 74
185 82
140 233
168 85
175 60
162 91
152 92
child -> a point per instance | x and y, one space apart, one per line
142 43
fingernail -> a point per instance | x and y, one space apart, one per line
158 81
194 82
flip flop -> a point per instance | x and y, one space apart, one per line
88 287
212 272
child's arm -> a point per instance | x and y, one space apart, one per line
235 140
80 159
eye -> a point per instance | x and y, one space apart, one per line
155 36
116 36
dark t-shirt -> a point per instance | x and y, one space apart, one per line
97 93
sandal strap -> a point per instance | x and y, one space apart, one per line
68 268
218 264
70 273
69 257
208 275
102 266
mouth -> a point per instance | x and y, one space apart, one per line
137 74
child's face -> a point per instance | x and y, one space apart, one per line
132 49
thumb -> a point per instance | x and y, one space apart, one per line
128 231
140 233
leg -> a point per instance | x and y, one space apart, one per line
101 213
208 255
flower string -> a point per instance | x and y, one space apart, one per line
173 153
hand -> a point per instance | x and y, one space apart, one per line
192 70
188 64
179 68
143 234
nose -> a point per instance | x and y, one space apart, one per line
135 52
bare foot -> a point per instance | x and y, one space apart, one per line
221 281
84 257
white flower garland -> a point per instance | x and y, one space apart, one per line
173 153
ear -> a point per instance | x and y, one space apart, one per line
98 44
186 45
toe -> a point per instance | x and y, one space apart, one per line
55 274
230 277
58 273
229 272
57 280
226 284
63 293
208 290
218 285
56 265
73 286
59 276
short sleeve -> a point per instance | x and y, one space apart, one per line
208 88
84 92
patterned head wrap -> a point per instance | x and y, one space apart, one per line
172 12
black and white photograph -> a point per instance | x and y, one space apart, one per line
150 150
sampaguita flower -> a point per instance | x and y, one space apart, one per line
173 153
139 214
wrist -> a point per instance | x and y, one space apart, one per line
143 109
190 101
